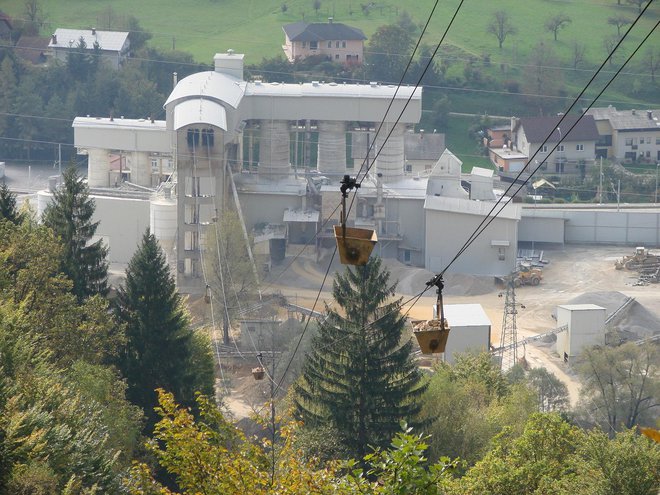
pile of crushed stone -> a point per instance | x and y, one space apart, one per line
635 322
412 281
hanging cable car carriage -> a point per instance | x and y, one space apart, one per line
258 373
354 244
432 334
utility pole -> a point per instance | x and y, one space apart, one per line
59 162
600 186
618 194
656 182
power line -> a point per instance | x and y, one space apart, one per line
488 219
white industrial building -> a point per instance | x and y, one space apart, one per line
230 143
470 330
586 328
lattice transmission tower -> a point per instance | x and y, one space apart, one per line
508 352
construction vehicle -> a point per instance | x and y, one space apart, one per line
527 275
642 260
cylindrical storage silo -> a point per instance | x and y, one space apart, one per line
274 152
98 168
44 198
390 152
332 148
163 221
140 168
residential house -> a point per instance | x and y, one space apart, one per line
534 138
32 49
627 135
339 42
114 46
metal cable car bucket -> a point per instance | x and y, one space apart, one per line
430 335
354 245
258 373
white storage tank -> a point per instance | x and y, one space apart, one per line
163 219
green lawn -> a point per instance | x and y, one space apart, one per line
203 27
460 144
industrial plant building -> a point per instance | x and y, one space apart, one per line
275 153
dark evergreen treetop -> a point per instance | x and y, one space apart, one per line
360 377
159 341
8 209
70 217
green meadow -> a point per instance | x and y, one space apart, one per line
254 27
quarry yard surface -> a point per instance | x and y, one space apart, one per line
575 274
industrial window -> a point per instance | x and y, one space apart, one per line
408 167
343 44
544 148
406 255
193 137
207 137
579 147
329 44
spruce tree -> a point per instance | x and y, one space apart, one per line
359 377
8 209
70 217
160 345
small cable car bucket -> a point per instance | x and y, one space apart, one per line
432 334
258 373
354 245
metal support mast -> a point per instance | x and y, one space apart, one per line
509 339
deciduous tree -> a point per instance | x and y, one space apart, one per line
621 385
556 23
388 53
69 215
359 376
551 393
501 26
638 3
618 21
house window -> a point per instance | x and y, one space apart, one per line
336 44
648 140
408 167
313 45
544 148
304 44
560 148
629 141
648 154
336 56
579 147
406 255
657 140
154 164
329 44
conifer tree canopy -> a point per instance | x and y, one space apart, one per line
360 377
8 209
70 217
160 348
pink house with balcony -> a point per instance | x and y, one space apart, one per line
340 43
